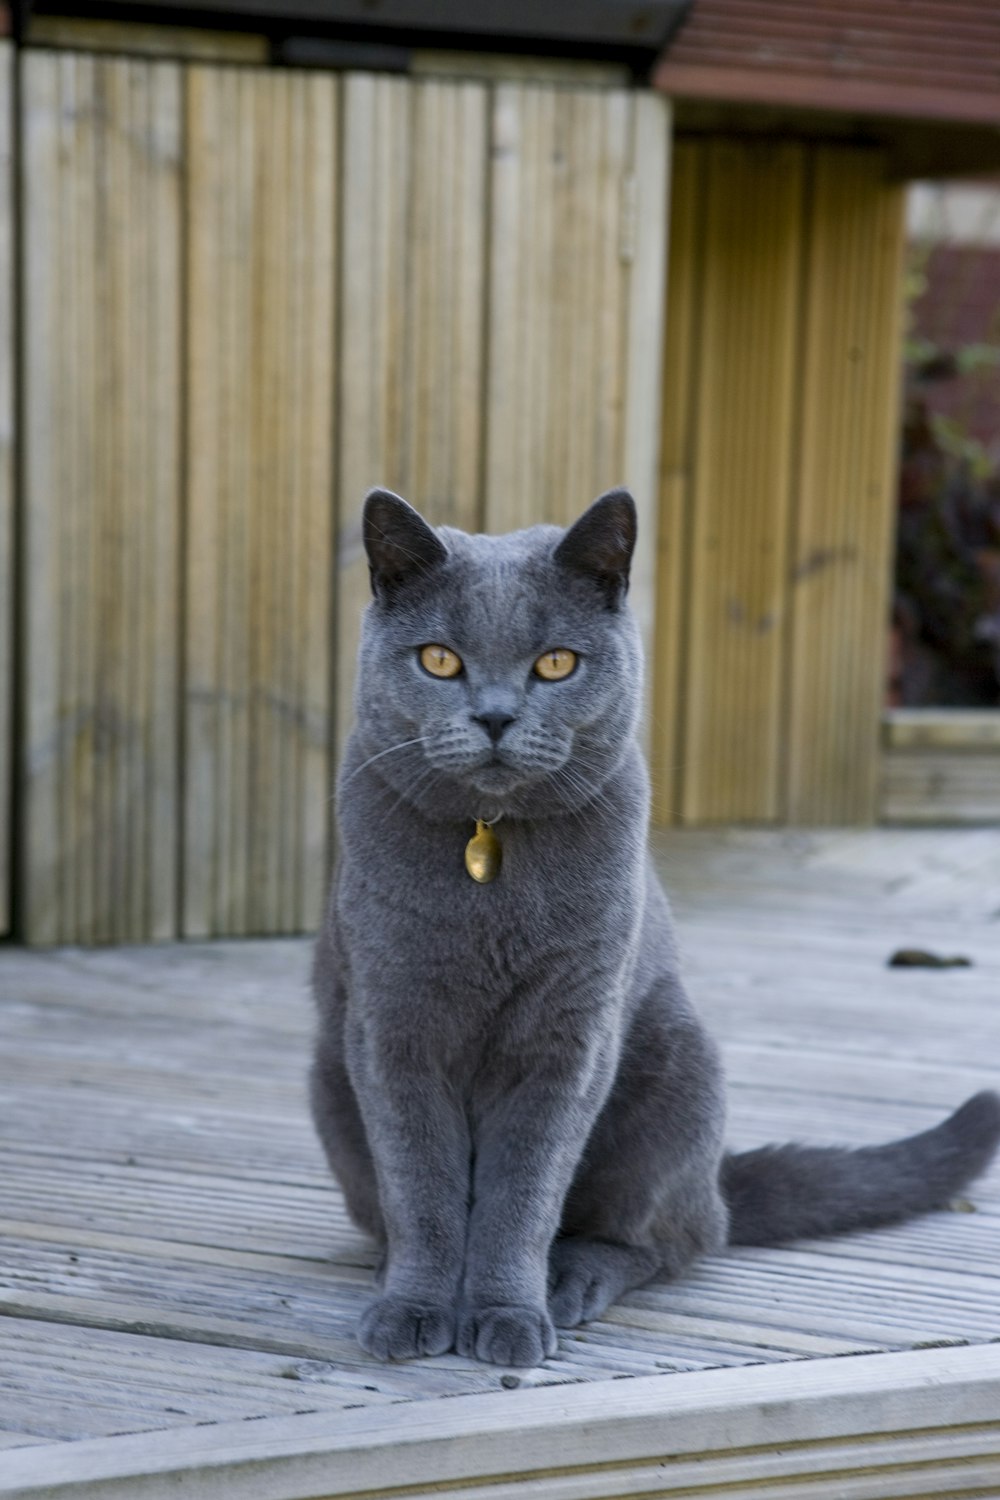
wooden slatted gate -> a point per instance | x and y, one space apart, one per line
6 477
780 434
250 295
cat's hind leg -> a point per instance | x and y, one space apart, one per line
645 1200
588 1275
342 1133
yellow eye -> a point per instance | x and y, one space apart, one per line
555 665
440 662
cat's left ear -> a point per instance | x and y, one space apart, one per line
601 543
399 543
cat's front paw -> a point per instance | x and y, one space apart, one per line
521 1336
396 1327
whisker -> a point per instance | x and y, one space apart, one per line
579 783
421 739
428 776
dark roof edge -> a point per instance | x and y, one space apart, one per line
842 96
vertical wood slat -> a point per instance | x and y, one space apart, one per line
262 211
558 301
375 124
739 550
676 475
6 474
98 779
643 397
412 288
845 500
780 710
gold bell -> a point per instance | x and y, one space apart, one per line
483 853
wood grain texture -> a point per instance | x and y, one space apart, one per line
494 67
776 484
855 1430
176 1261
941 728
645 248
136 39
577 247
411 362
676 476
845 487
6 475
546 207
940 786
745 398
98 779
563 207
261 211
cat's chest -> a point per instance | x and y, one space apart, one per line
556 900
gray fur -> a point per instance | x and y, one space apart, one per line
510 1082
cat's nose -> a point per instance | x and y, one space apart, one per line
494 724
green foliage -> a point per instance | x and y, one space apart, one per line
955 440
926 361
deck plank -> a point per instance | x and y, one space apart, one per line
172 1251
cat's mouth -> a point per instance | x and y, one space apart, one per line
498 769
497 775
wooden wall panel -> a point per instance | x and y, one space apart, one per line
261 212
577 247
745 392
676 475
6 475
412 338
845 497
98 774
562 194
780 421
566 402
225 353
644 250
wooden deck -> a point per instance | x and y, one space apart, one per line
179 1283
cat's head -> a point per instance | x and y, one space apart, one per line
498 674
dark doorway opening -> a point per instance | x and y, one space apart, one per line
946 605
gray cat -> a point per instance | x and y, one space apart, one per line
510 1082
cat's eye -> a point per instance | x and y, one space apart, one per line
555 665
440 662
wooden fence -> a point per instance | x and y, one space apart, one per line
6 477
941 766
777 482
247 296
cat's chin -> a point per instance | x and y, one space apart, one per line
496 778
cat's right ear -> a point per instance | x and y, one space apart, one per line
399 543
600 544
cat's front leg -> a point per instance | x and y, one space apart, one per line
526 1149
420 1145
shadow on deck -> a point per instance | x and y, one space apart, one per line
179 1283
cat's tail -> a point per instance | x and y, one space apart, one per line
786 1192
